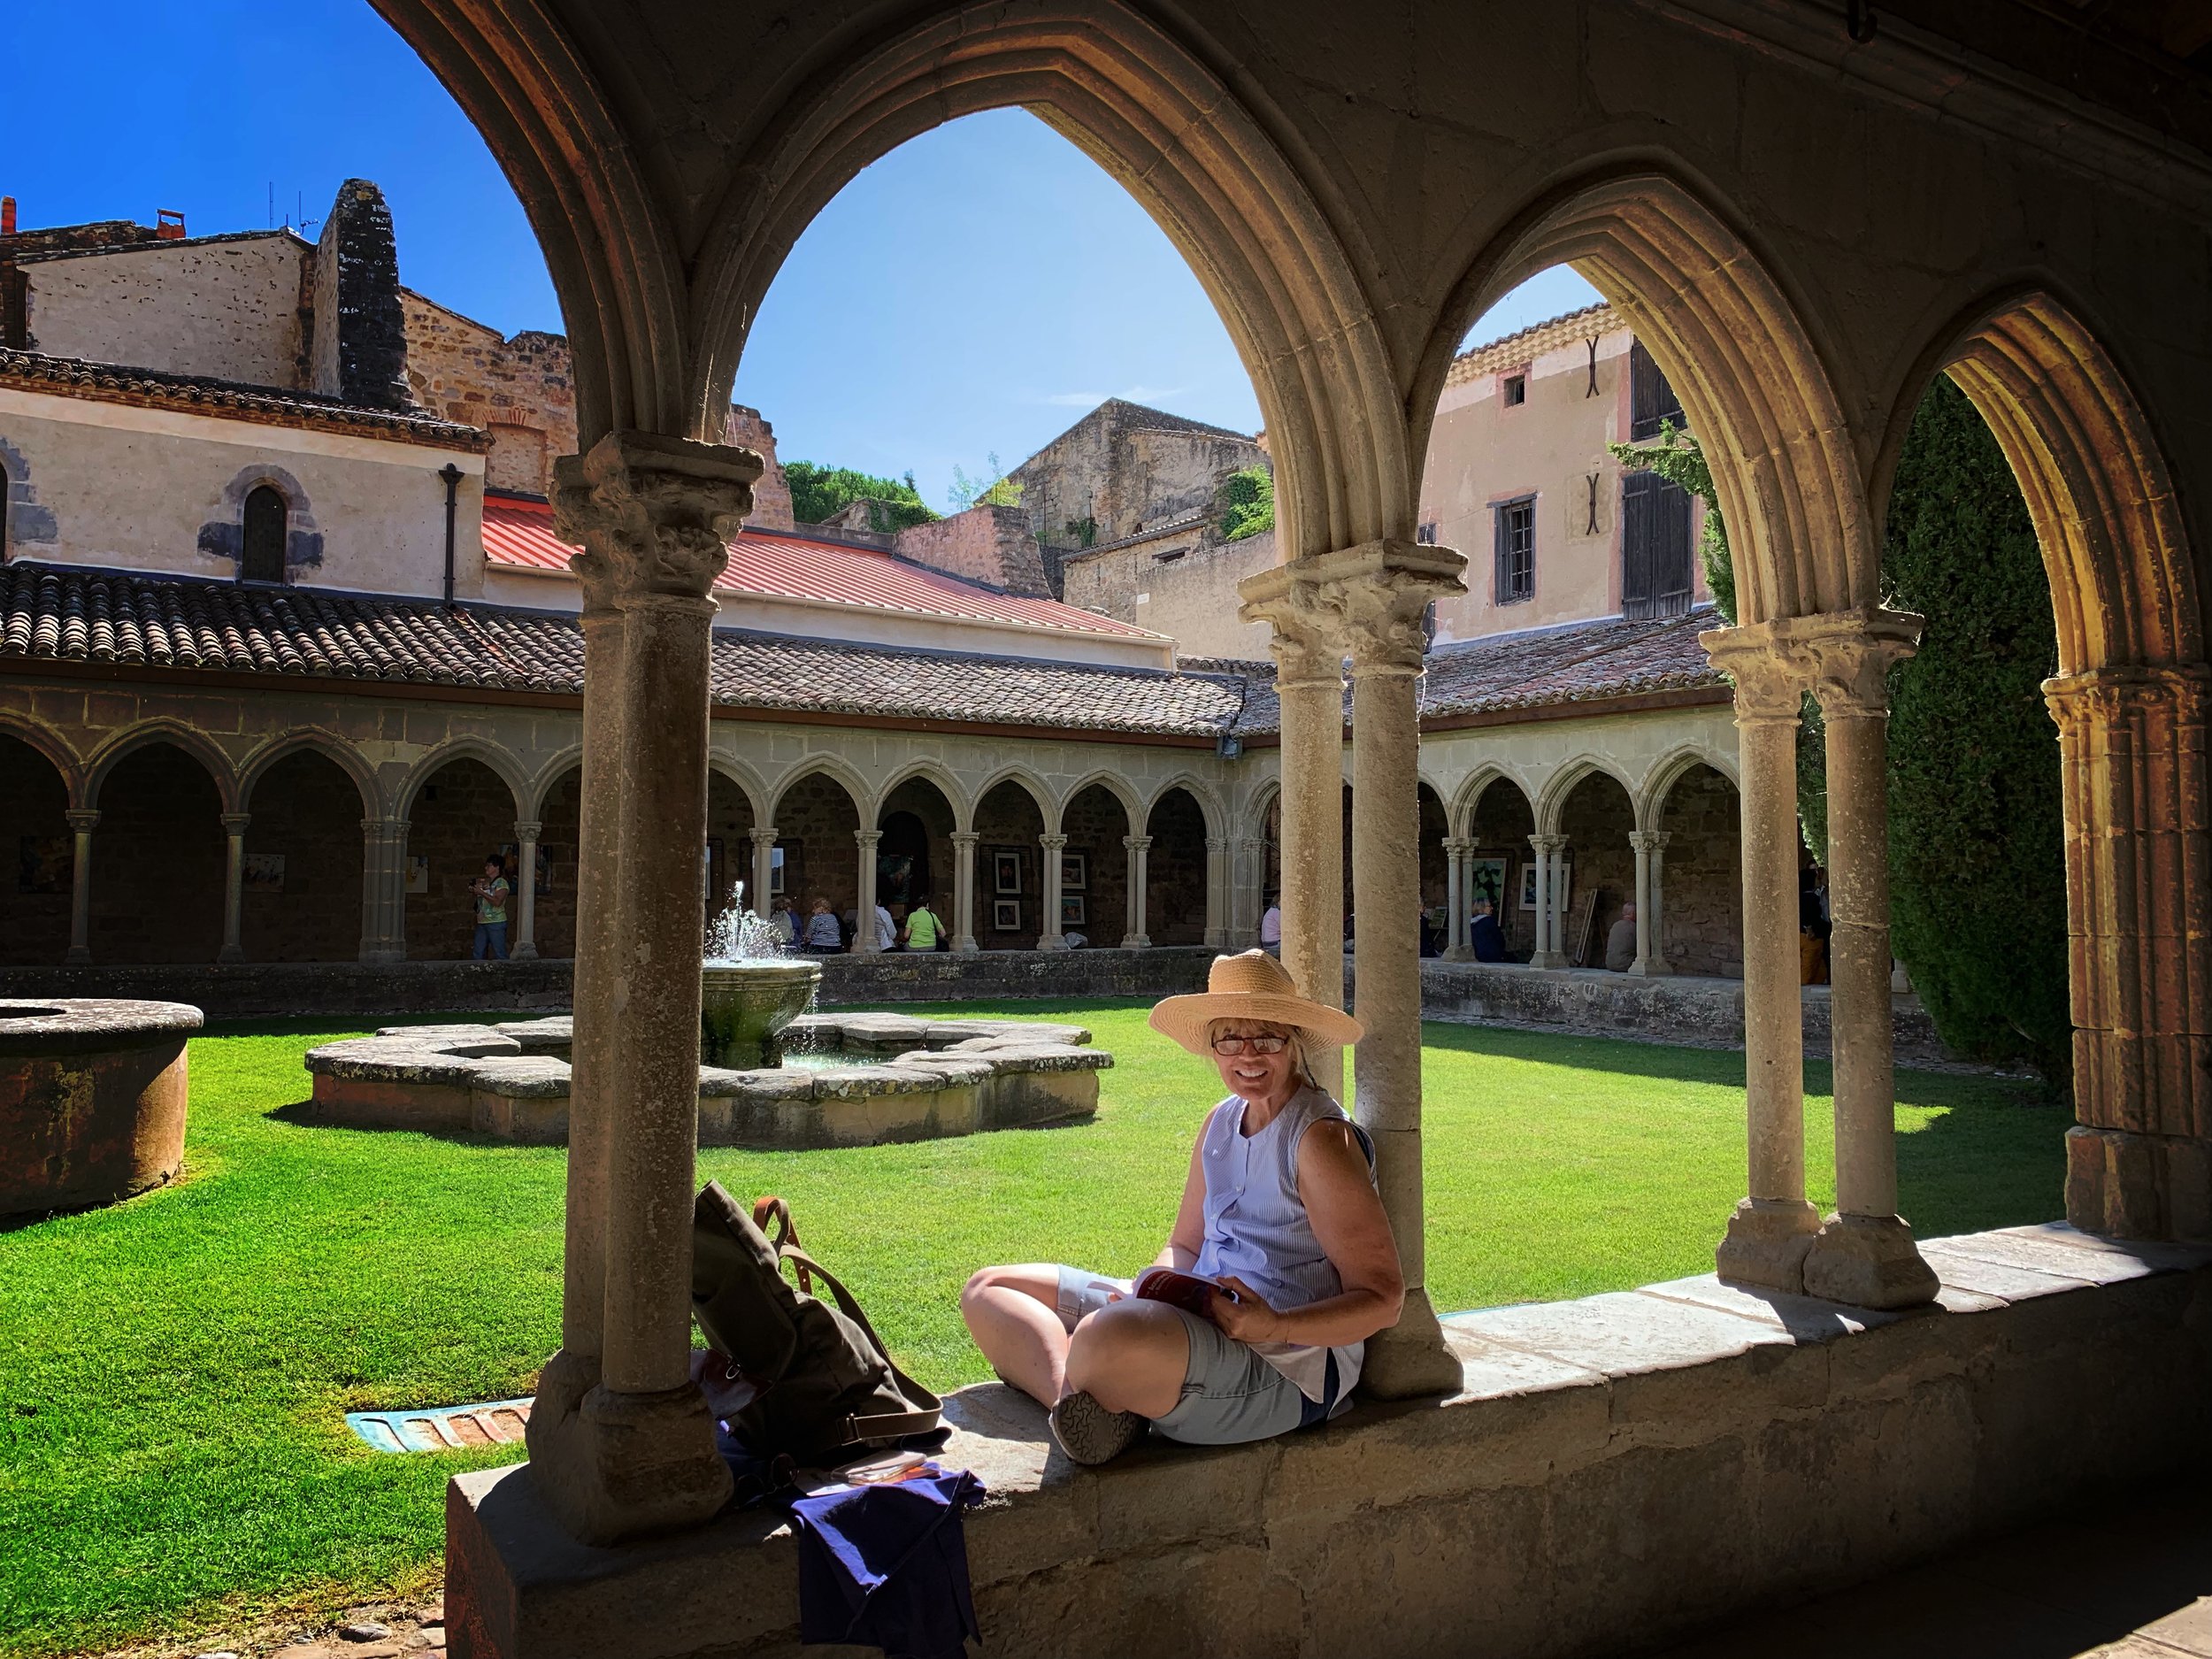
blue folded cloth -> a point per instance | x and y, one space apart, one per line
886 1566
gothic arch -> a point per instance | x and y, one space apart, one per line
940 777
831 766
1551 800
1459 808
748 781
1030 784
1734 347
174 733
1114 784
548 774
1209 803
331 748
497 761
1663 773
54 748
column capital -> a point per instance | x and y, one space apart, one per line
1547 843
2105 697
1851 652
653 514
1217 843
235 822
1052 843
965 838
527 829
1649 840
1140 844
1770 677
1462 844
1367 602
868 837
761 834
83 820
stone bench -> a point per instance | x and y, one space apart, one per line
1613 1469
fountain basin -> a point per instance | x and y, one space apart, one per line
744 1005
92 1100
908 1080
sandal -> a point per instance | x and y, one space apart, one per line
1090 1433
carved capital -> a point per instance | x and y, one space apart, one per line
867 838
1548 843
1367 602
765 835
965 838
1649 840
1851 652
1137 843
1052 843
2102 699
84 820
1770 676
529 829
653 514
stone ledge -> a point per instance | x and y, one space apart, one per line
1565 1502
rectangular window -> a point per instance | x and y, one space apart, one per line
1651 400
1515 390
1426 534
1515 578
1655 569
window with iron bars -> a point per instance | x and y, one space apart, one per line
1514 579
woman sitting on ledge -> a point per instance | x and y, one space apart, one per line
1279 1215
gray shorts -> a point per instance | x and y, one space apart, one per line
1230 1393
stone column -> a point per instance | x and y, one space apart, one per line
633 1452
1219 880
82 822
764 872
1551 926
383 889
1458 849
1380 592
1138 864
1051 937
1865 1254
865 906
1650 847
1247 891
524 946
2138 906
963 891
234 885
1309 652
1773 1225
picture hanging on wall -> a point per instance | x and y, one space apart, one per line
1075 873
418 872
46 863
1006 870
1486 875
1564 897
1006 916
1072 910
261 873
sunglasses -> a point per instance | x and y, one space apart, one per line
1228 1047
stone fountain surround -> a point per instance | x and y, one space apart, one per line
935 1078
92 1100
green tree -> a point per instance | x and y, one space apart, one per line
818 491
993 488
1246 501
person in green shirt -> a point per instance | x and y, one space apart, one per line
923 929
490 891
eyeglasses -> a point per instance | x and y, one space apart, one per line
1230 1046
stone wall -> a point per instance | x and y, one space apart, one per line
1175 896
464 811
1190 594
37 857
158 858
993 977
772 492
1096 825
1704 875
230 307
815 819
1597 819
520 389
985 544
307 813
359 329
1502 824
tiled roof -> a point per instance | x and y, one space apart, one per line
199 395
1510 351
519 534
73 614
70 613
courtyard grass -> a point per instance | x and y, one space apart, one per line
173 1371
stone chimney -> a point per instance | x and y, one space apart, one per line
771 495
359 350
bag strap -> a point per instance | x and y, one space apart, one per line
890 1424
772 1209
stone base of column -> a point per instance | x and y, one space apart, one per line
1766 1243
614 1467
525 953
1216 939
231 953
1457 953
383 955
1549 959
1649 969
77 956
965 946
1869 1262
1409 1361
1136 941
2127 1184
1052 942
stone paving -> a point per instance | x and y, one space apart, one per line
2130 1579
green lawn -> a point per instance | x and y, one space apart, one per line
173 1370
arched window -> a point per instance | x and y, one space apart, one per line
262 557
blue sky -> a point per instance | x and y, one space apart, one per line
973 292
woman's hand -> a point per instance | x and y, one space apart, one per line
1247 1319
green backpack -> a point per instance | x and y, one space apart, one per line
821 1379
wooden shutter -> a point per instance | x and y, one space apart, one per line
1501 562
1651 400
1655 569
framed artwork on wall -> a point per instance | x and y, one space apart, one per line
1006 916
1075 873
46 862
1566 879
418 872
1072 910
262 872
1488 873
778 863
1006 870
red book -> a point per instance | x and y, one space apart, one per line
1186 1291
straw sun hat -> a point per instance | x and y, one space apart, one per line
1253 986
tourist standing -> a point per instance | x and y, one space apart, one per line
490 891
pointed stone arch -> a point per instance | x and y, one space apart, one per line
177 735
941 777
1663 773
835 767
497 761
1564 781
331 747
52 747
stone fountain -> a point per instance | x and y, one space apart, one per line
750 988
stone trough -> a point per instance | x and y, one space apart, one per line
911 1079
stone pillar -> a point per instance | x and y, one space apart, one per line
1309 652
82 822
1551 926
524 946
864 908
383 889
1248 894
1138 865
963 891
234 884
1379 593
1865 1254
1650 847
1773 1226
1051 937
2139 905
1219 880
633 1452
1457 947
764 872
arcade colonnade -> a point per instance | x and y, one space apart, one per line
665 198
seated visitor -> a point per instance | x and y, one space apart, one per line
1620 940
1280 1264
1271 927
922 926
785 924
887 935
1485 935
822 931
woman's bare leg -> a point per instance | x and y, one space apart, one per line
1014 1315
1130 1356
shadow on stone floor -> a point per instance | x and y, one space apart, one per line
2130 1579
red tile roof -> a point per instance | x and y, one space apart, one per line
519 534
